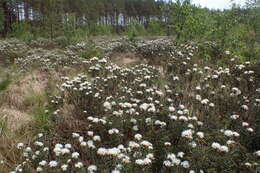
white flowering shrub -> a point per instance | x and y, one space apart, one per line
10 50
203 119
156 48
46 60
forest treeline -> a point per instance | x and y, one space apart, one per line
31 19
83 13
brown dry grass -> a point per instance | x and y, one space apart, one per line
25 93
15 118
9 153
15 106
126 59
33 83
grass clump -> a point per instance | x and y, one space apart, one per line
34 100
5 83
41 119
3 125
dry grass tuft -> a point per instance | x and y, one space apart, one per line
34 83
125 59
15 118
25 93
9 153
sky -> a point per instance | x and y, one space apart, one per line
217 4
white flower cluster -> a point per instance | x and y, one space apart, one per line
220 148
128 118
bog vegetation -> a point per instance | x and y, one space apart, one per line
129 86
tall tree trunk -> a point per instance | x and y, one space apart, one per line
18 14
26 11
117 22
7 19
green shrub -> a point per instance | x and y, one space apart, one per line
210 51
4 84
251 54
90 52
104 30
154 28
81 34
135 29
21 31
